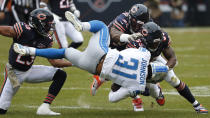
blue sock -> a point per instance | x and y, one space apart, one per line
51 53
96 25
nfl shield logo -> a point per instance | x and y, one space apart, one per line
99 5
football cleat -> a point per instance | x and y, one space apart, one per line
97 82
74 20
160 99
137 105
200 109
44 109
23 50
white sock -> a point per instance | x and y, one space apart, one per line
195 103
137 97
85 26
32 51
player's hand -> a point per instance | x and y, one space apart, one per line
135 36
130 37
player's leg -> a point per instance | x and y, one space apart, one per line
156 92
118 93
92 26
116 96
76 36
182 88
39 73
6 94
60 30
96 49
9 88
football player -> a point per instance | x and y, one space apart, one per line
20 68
121 67
63 27
124 28
20 9
157 42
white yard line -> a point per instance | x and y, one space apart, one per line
102 108
200 91
184 30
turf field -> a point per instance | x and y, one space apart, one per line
192 46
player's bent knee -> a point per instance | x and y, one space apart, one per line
174 81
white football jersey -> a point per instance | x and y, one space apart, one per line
126 66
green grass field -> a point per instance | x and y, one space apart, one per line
192 48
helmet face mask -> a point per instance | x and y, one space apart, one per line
152 36
42 21
136 24
152 47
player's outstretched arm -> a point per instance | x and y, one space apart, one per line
7 31
50 53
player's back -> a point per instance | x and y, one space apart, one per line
127 64
26 36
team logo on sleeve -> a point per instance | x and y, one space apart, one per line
99 5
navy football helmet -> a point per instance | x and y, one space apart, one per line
138 15
41 20
152 36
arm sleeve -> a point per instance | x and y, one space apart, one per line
21 30
121 22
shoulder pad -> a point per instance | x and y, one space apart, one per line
121 22
166 39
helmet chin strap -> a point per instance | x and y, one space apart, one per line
30 25
152 50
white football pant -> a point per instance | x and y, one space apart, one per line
36 74
64 28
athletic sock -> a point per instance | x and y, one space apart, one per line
185 92
58 81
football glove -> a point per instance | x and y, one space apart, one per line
130 37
